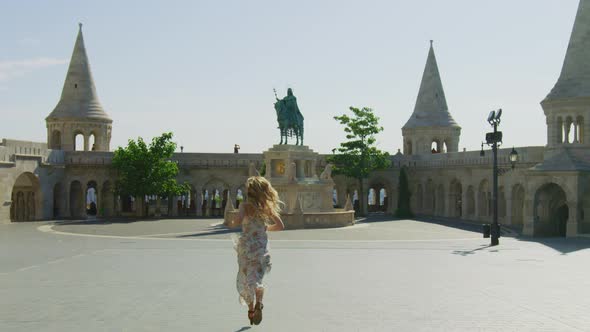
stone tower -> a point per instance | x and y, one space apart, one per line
431 121
567 106
78 111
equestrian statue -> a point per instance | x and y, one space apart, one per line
289 118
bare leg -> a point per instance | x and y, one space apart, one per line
259 294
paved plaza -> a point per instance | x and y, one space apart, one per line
379 275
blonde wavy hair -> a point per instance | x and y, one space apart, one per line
263 197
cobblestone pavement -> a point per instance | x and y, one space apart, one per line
379 275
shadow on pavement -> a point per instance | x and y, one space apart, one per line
212 230
469 252
560 244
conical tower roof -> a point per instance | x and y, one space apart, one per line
431 105
78 97
574 80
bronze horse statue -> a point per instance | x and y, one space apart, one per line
289 118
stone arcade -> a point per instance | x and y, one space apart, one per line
548 194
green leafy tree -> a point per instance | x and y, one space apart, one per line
148 170
358 157
403 198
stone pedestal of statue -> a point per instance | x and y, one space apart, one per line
292 171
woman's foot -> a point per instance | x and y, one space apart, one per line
257 317
251 316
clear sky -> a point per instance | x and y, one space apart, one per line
206 70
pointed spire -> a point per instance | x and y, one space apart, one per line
78 97
574 80
431 105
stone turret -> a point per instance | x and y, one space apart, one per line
567 106
431 121
79 111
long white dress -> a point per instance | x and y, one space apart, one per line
253 256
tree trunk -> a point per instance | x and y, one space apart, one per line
362 198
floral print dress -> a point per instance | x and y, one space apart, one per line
253 256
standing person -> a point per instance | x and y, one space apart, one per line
259 214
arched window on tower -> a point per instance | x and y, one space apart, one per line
408 147
78 142
570 131
435 146
559 130
92 142
56 140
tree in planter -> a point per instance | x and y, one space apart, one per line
403 198
147 170
358 157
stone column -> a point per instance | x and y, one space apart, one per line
573 218
66 213
464 203
83 212
300 168
508 197
476 200
528 219
174 200
551 134
86 142
99 201
199 201
314 169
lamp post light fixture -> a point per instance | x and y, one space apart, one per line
494 139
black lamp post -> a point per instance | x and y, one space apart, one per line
494 139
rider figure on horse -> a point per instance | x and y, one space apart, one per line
289 117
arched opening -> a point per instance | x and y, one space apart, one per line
77 198
57 198
446 145
569 130
335 198
435 146
55 140
455 196
355 201
216 202
92 142
91 199
517 205
408 147
383 200
128 204
551 211
372 200
483 199
78 141
107 200
26 198
239 197
470 201
560 130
